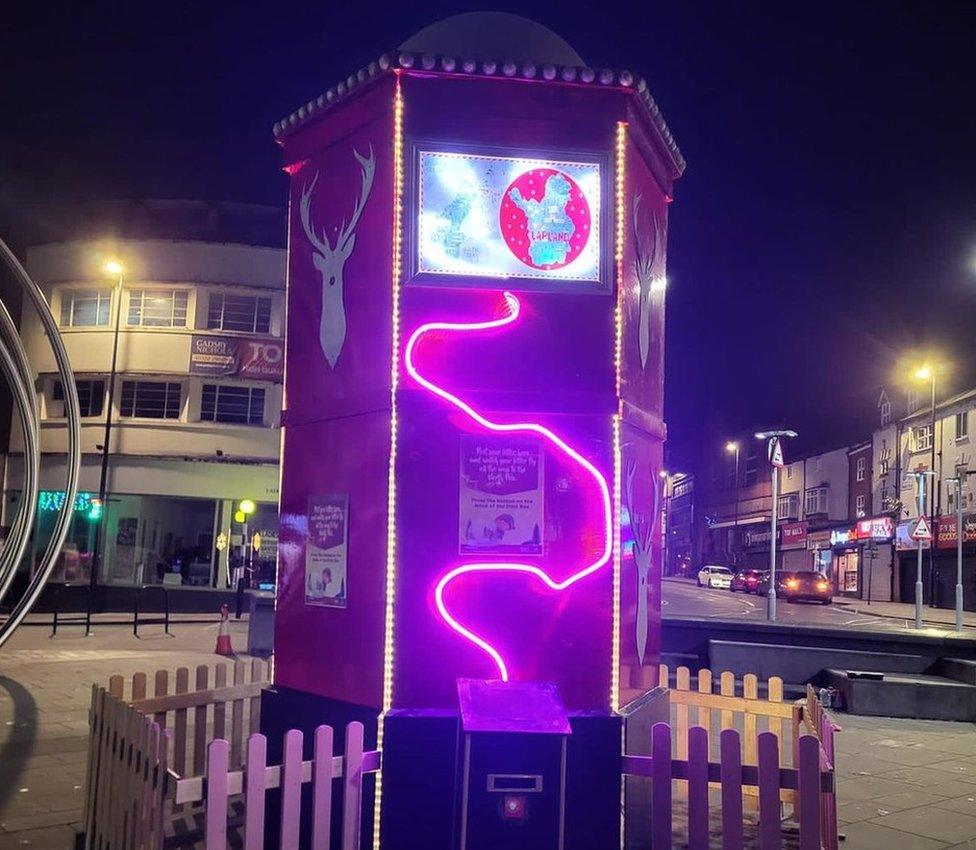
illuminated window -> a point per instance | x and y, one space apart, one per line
151 399
962 425
862 468
243 313
923 437
158 308
860 503
91 398
816 500
85 307
237 405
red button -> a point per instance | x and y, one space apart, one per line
513 808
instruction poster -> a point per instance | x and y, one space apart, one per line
501 507
326 556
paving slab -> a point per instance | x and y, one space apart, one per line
948 826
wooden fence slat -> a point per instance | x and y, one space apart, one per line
237 719
775 694
91 764
705 687
136 808
220 707
808 795
322 788
291 790
664 676
682 683
138 687
200 722
352 786
216 803
698 822
116 686
660 787
750 690
160 789
731 790
161 689
727 688
179 723
828 801
770 836
254 714
109 706
254 791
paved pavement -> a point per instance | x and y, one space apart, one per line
902 784
682 597
45 688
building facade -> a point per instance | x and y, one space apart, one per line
195 407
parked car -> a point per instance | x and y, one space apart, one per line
746 580
804 584
712 575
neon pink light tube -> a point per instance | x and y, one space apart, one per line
535 572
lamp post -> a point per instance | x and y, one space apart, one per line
114 269
775 452
927 373
733 448
244 511
957 480
920 477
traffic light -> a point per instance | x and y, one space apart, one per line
95 510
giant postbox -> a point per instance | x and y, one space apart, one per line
473 401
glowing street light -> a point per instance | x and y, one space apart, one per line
247 506
113 267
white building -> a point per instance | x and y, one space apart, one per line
195 408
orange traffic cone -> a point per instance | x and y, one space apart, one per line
223 633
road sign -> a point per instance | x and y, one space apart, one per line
775 450
921 531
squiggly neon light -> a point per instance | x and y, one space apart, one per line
537 573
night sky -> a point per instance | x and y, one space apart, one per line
825 227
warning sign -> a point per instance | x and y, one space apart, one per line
922 530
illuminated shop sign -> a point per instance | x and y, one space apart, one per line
508 217
842 536
879 528
53 500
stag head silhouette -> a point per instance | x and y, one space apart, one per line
646 262
330 260
643 528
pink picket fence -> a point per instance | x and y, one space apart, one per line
810 783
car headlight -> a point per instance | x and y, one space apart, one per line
792 584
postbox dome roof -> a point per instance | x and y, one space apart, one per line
495 35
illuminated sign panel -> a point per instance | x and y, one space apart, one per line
508 217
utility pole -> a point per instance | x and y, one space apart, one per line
920 538
957 480
774 451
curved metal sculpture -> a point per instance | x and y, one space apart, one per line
16 369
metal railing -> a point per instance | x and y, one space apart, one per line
164 622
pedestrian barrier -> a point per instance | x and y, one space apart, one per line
136 606
166 768
58 620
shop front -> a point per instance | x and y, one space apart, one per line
819 554
793 543
861 559
906 551
945 562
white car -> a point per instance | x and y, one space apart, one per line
715 576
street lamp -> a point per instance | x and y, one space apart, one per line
957 480
112 268
245 508
920 477
733 448
774 451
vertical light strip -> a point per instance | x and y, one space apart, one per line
619 185
388 648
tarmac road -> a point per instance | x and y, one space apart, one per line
683 598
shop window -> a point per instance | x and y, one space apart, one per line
151 399
158 308
243 313
236 405
91 398
85 307
862 468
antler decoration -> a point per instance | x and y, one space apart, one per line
643 531
330 259
644 267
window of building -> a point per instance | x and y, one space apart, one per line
860 506
788 506
151 399
789 472
239 405
752 468
862 468
85 307
816 500
923 437
91 397
246 313
885 412
962 425
158 308
885 457
912 400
